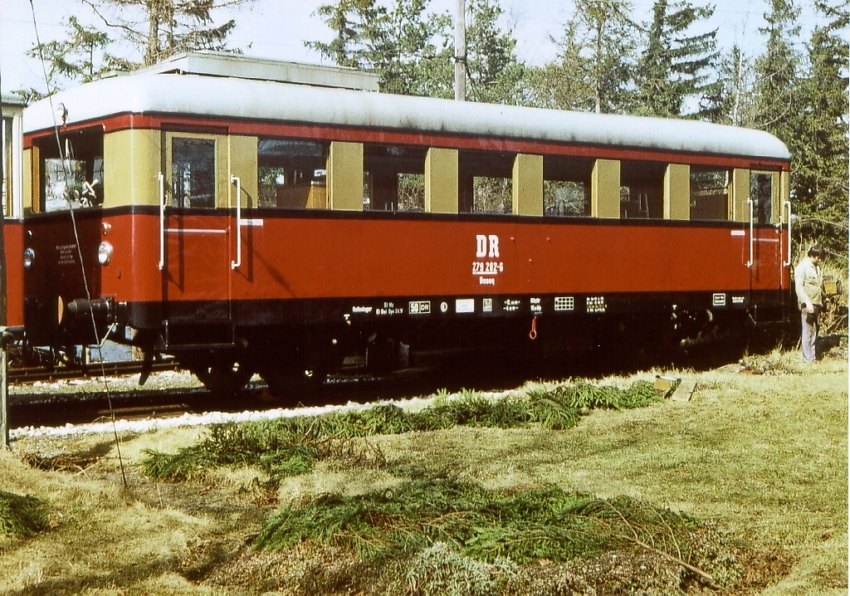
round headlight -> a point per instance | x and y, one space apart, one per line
104 253
29 258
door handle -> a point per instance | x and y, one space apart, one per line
750 203
161 179
238 262
788 262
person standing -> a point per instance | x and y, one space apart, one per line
808 280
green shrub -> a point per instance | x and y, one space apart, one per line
546 523
291 446
23 516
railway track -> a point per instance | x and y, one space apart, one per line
94 370
158 412
82 403
72 407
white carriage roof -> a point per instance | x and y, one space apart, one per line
214 96
223 64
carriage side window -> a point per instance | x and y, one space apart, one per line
411 192
71 171
566 186
193 172
485 182
710 193
642 190
394 177
292 174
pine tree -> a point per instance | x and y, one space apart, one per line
155 28
776 72
493 70
673 64
820 173
411 49
398 42
593 69
561 84
729 100
345 19
82 57
173 26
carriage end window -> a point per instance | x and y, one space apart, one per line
72 171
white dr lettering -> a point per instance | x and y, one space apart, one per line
480 246
494 246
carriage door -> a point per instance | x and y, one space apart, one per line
765 246
196 236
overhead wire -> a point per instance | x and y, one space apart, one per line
66 167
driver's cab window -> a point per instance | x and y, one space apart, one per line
71 169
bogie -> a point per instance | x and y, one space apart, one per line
222 372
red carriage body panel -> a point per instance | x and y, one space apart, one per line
308 256
13 232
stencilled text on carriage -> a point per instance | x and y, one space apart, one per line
487 247
65 254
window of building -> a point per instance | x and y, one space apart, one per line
292 173
642 189
74 177
566 186
710 193
8 171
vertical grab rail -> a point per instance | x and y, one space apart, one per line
161 179
750 262
788 262
238 262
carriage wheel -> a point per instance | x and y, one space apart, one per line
297 386
223 373
297 375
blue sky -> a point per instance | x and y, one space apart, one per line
278 28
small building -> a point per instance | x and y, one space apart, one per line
12 134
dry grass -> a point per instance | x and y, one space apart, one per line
761 452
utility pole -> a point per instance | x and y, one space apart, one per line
460 51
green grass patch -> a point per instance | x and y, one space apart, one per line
291 446
484 525
23 516
258 444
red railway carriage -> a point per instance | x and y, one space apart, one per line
208 209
